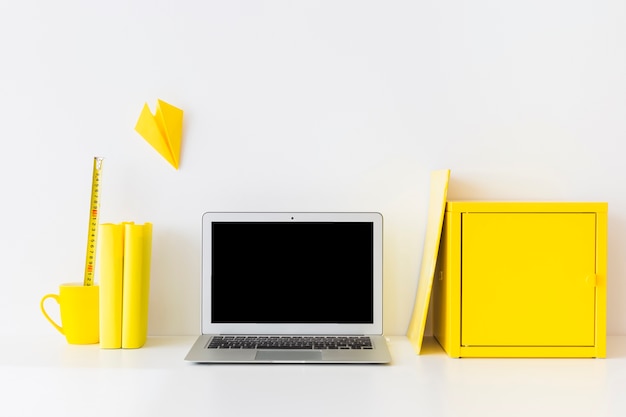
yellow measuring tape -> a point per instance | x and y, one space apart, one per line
92 233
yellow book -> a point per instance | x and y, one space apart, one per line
136 287
111 237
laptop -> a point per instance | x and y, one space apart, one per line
291 288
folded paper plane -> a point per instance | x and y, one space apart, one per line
163 130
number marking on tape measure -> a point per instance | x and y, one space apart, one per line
92 232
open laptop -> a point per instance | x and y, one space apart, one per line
291 288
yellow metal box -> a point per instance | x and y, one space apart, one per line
522 279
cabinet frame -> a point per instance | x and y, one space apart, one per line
448 281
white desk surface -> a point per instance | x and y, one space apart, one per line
45 376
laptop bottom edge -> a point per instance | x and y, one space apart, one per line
377 354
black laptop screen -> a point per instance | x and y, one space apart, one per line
292 272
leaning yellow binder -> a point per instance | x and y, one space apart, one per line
136 287
436 210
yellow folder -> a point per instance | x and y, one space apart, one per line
436 211
136 286
111 247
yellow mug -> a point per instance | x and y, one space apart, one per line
80 312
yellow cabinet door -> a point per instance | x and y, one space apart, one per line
528 279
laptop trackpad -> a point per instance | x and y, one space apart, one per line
288 355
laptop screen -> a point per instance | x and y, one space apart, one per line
285 273
292 272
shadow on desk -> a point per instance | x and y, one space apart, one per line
163 341
430 346
616 348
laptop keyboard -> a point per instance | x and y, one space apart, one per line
290 342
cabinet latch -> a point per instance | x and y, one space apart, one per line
592 280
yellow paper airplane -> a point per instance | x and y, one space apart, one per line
163 131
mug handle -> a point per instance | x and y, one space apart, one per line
43 310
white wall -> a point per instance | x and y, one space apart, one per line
298 105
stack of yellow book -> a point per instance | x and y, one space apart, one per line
125 256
